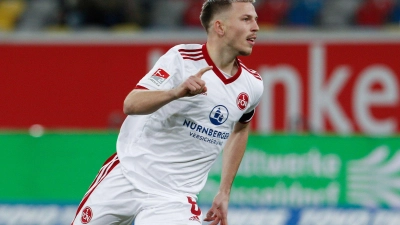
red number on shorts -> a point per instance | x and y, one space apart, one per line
195 209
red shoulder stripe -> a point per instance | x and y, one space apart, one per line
194 59
191 55
253 72
190 50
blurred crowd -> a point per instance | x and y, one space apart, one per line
39 15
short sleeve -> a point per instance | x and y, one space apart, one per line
165 74
256 93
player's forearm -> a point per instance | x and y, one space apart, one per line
142 102
232 157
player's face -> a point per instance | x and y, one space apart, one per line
242 27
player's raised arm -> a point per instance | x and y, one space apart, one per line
142 102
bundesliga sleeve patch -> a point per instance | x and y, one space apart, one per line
159 77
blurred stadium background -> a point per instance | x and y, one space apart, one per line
325 148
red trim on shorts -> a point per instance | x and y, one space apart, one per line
109 159
107 167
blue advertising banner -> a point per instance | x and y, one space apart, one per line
18 214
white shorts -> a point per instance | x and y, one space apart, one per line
111 199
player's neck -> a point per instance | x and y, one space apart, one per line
222 58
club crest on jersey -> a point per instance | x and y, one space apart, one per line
242 100
87 215
219 115
159 77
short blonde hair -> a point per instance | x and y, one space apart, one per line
212 7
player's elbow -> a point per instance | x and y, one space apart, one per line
129 108
131 104
134 108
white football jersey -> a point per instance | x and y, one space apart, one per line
173 149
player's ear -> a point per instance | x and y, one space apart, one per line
219 27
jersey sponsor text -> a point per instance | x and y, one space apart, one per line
205 130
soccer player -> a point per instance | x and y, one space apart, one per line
196 101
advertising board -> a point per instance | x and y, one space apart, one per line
300 171
316 85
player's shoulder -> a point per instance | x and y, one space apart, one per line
182 51
251 72
188 51
187 47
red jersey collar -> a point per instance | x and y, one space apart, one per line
217 71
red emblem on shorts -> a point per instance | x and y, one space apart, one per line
195 218
242 100
87 215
